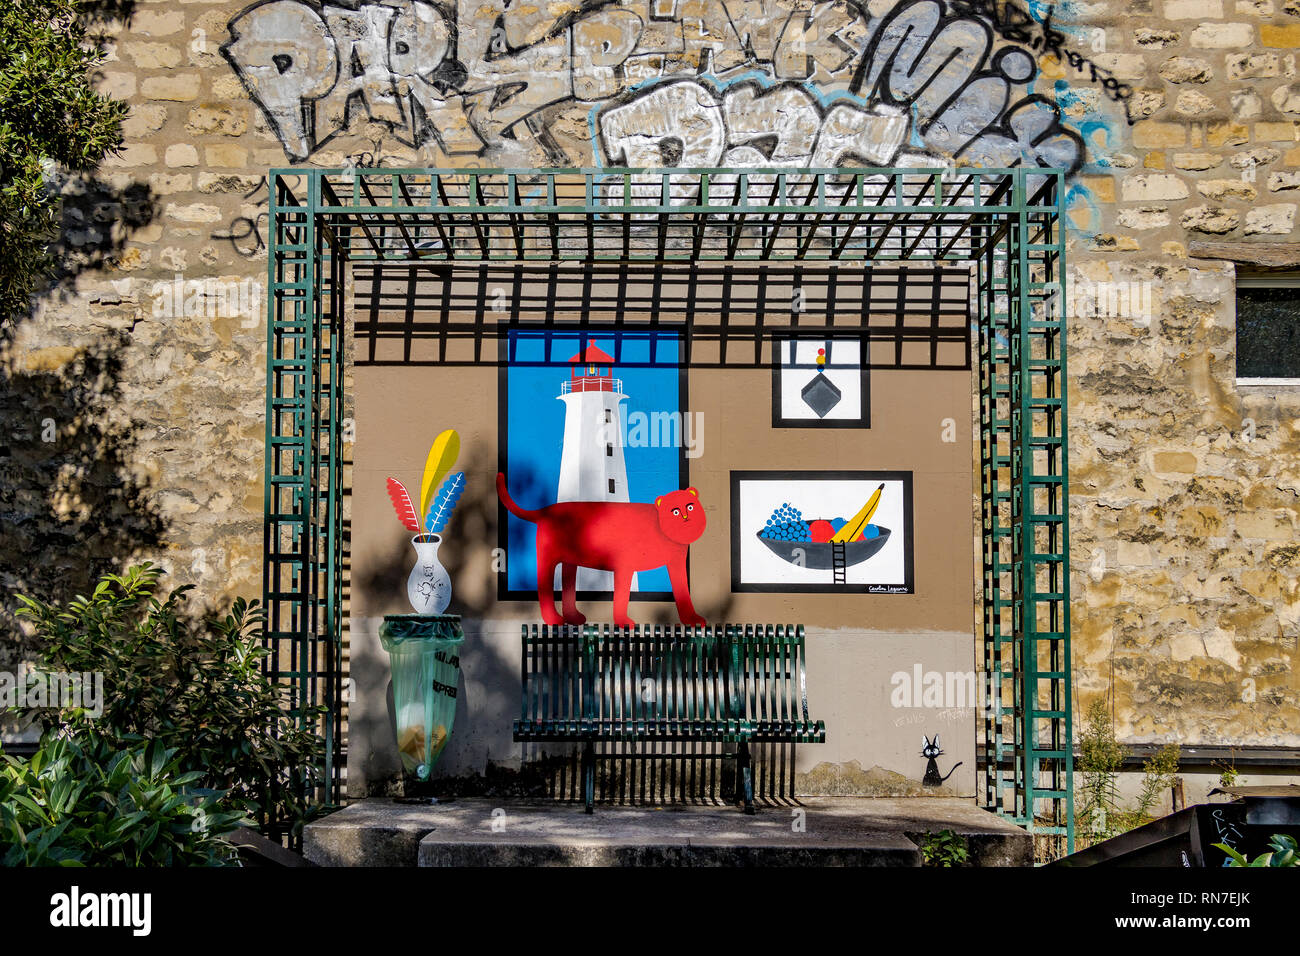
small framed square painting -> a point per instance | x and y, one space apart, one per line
820 381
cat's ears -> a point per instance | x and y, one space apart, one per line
659 500
925 741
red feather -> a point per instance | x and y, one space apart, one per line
402 505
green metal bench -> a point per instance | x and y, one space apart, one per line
729 685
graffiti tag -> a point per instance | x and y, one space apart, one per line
740 82
247 233
1017 26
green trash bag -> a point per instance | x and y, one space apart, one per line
425 655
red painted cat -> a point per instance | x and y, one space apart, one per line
619 536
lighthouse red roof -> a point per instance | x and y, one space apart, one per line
592 356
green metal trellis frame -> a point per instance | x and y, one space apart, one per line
1007 224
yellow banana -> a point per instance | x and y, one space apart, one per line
853 528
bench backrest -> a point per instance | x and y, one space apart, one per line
599 672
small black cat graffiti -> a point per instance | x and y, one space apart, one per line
930 750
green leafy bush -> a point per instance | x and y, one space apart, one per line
1159 772
1284 852
1100 758
1228 774
1101 814
945 848
194 685
84 804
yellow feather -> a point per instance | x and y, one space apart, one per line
442 456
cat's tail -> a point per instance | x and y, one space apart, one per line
950 772
509 502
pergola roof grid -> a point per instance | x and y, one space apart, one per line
454 226
666 215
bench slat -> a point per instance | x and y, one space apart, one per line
650 682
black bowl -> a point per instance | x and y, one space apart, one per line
819 555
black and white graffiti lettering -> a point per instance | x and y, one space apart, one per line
285 56
741 83
685 123
945 71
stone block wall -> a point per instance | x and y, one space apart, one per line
1184 485
133 395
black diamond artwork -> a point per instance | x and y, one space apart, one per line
821 395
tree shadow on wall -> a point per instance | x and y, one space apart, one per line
72 503
98 218
100 210
100 12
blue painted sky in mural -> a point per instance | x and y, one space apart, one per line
649 369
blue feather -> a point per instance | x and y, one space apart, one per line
444 503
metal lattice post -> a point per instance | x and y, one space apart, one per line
1024 508
1040 516
1003 769
287 493
1048 677
302 542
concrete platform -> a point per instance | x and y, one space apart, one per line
820 831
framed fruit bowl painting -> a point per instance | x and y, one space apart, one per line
828 531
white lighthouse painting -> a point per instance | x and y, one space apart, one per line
592 465
571 402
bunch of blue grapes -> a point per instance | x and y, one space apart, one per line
787 524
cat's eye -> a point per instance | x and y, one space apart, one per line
690 507
677 512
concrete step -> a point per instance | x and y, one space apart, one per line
817 831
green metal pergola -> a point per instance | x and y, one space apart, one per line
1006 226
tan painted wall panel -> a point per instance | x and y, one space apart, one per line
856 641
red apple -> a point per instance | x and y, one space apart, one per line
820 530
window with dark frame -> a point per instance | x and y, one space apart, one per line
1268 327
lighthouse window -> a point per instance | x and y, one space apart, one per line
608 416
611 486
609 450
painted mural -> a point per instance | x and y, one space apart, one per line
831 531
590 418
428 587
820 382
931 751
737 83
619 537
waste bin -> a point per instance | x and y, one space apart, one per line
424 651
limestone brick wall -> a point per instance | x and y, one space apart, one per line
133 395
1184 485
